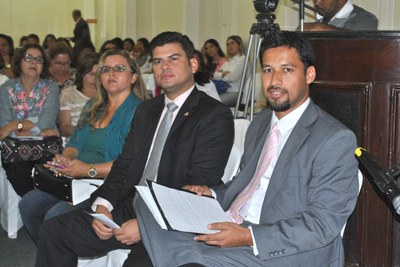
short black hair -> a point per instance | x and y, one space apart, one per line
291 40
173 37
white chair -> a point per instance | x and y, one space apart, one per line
113 258
360 183
241 126
11 220
232 166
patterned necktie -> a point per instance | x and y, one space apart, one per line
268 153
151 169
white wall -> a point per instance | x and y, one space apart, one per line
200 19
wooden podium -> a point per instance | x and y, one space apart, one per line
358 82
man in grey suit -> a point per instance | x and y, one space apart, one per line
305 195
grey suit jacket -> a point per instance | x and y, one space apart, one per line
312 191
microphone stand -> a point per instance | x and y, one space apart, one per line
302 5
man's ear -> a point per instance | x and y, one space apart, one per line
194 64
310 74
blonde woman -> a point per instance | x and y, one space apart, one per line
98 137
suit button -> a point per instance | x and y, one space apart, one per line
271 254
283 250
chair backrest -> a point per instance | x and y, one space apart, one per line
241 126
360 183
232 166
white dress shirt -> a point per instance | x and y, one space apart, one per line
179 102
251 211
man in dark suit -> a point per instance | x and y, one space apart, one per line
195 152
303 195
81 30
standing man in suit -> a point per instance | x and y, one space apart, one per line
195 152
303 196
81 30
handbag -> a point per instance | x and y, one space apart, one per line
221 86
66 188
35 149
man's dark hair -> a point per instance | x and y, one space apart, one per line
291 40
173 37
77 13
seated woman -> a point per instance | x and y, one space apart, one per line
29 105
232 70
215 56
7 52
98 138
143 57
202 78
74 97
61 71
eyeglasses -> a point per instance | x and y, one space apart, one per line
116 68
30 58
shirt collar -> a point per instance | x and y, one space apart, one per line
343 13
289 121
180 99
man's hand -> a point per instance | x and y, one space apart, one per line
128 234
230 235
199 189
102 231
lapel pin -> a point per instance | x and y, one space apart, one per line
186 114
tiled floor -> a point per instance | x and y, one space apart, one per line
19 252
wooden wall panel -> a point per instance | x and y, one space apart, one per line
358 82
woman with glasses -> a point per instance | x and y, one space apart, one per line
29 106
61 71
98 138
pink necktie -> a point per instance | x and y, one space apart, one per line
268 153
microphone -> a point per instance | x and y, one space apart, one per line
383 179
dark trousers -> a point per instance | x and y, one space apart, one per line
66 237
20 176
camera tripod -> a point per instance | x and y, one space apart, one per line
260 30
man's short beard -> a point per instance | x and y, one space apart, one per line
279 107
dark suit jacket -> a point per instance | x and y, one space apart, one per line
196 150
312 191
81 31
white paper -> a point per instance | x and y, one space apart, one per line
104 219
188 212
83 188
144 191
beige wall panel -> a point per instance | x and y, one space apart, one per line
21 17
168 16
145 19
200 19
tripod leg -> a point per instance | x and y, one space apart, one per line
243 78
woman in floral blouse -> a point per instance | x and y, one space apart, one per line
29 105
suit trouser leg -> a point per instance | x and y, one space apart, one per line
165 248
171 248
66 237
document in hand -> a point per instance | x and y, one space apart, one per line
181 210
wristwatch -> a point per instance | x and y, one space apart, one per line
92 171
20 126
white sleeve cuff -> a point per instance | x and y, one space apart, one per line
103 202
255 250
